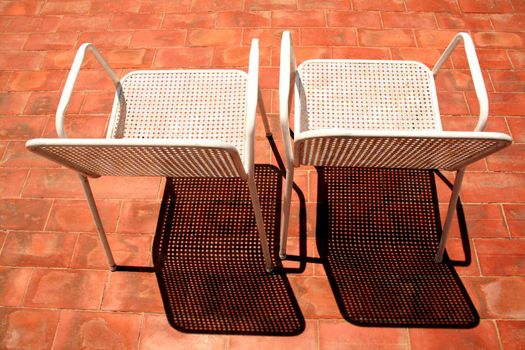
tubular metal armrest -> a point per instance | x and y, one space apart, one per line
72 79
475 71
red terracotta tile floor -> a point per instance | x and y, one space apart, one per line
55 291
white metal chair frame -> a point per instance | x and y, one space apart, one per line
462 148
167 156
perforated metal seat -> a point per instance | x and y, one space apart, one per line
170 123
376 113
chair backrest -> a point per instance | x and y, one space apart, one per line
448 150
138 157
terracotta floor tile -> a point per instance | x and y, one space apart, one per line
292 251
138 217
501 257
515 214
27 329
307 340
75 216
508 159
97 330
24 214
19 128
315 297
493 187
24 248
3 148
156 334
456 252
483 221
300 179
13 285
512 334
517 129
295 227
13 103
132 291
82 126
12 182
497 297
75 289
484 336
340 334
131 250
42 103
18 156
53 183
126 187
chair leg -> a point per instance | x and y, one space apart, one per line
285 219
450 214
98 222
260 224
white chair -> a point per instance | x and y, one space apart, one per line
376 113
170 123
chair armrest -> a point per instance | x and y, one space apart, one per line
71 81
475 71
287 73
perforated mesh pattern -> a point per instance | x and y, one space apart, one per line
190 105
209 260
143 160
346 94
395 152
380 233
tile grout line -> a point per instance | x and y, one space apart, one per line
56 330
22 302
141 325
409 343
49 215
318 333
505 220
75 247
104 290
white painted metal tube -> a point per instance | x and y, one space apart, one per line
98 222
264 116
260 224
71 80
285 219
450 214
286 83
475 71
251 110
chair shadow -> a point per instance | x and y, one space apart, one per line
209 263
377 234
302 257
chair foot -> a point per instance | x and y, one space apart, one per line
282 256
113 268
